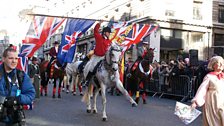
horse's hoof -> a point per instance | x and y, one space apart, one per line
53 96
59 96
134 104
88 111
67 91
74 93
94 111
45 95
104 119
41 94
81 94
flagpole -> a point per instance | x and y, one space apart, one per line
70 17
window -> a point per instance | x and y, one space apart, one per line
197 10
221 14
197 37
166 32
181 35
219 39
169 13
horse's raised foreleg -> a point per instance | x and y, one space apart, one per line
104 101
119 85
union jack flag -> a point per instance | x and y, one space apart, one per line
73 30
23 64
118 30
39 31
135 33
138 32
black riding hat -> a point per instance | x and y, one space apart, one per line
106 29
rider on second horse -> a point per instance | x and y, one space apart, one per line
53 53
142 51
102 45
86 59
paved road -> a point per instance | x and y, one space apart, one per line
70 111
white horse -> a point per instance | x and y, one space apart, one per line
73 73
107 75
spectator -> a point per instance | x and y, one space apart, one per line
210 94
15 87
34 73
33 68
12 46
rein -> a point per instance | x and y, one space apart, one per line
110 54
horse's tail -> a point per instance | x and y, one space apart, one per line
86 95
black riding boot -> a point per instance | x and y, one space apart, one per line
81 66
88 78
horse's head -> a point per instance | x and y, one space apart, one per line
113 56
149 55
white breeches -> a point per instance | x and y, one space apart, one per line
92 63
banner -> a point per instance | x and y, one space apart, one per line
73 30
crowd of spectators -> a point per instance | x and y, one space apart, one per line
163 71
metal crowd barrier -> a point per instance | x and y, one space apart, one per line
180 86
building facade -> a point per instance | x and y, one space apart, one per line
184 25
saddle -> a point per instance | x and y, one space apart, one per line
51 68
82 65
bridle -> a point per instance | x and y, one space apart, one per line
109 60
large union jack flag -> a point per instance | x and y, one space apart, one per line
39 31
128 34
73 30
137 34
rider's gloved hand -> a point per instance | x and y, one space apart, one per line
11 101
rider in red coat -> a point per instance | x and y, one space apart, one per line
101 47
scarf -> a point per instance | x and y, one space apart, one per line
219 75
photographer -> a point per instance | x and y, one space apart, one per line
16 89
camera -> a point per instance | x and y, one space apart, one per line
2 100
15 114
